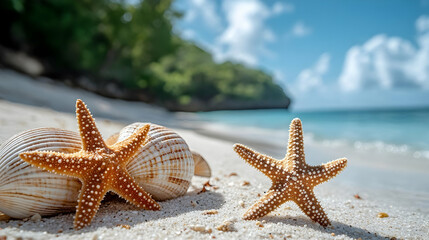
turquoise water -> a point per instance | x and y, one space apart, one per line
399 130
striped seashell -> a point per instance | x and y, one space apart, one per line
163 167
26 190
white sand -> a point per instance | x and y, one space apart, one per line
351 218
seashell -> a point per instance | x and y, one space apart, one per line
26 190
164 167
202 168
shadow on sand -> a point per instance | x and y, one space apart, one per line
337 228
114 212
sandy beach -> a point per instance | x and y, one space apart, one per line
27 104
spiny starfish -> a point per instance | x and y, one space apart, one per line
100 168
292 179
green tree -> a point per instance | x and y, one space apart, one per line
133 47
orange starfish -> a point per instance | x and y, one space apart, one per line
292 179
101 168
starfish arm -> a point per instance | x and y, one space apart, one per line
327 171
126 187
309 205
267 165
295 156
270 201
60 163
128 147
91 137
90 198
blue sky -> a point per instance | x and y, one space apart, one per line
327 54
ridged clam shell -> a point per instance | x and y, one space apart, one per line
26 190
164 166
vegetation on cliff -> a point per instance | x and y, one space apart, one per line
130 51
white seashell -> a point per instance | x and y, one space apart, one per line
26 190
164 167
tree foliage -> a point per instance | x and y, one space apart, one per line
133 46
191 77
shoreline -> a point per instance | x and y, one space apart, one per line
351 218
364 173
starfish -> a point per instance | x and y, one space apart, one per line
292 179
99 167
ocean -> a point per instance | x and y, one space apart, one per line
405 131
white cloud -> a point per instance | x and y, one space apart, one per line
280 7
245 37
299 29
422 24
205 10
388 62
189 34
311 78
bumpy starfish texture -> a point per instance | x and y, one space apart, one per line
292 179
100 168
